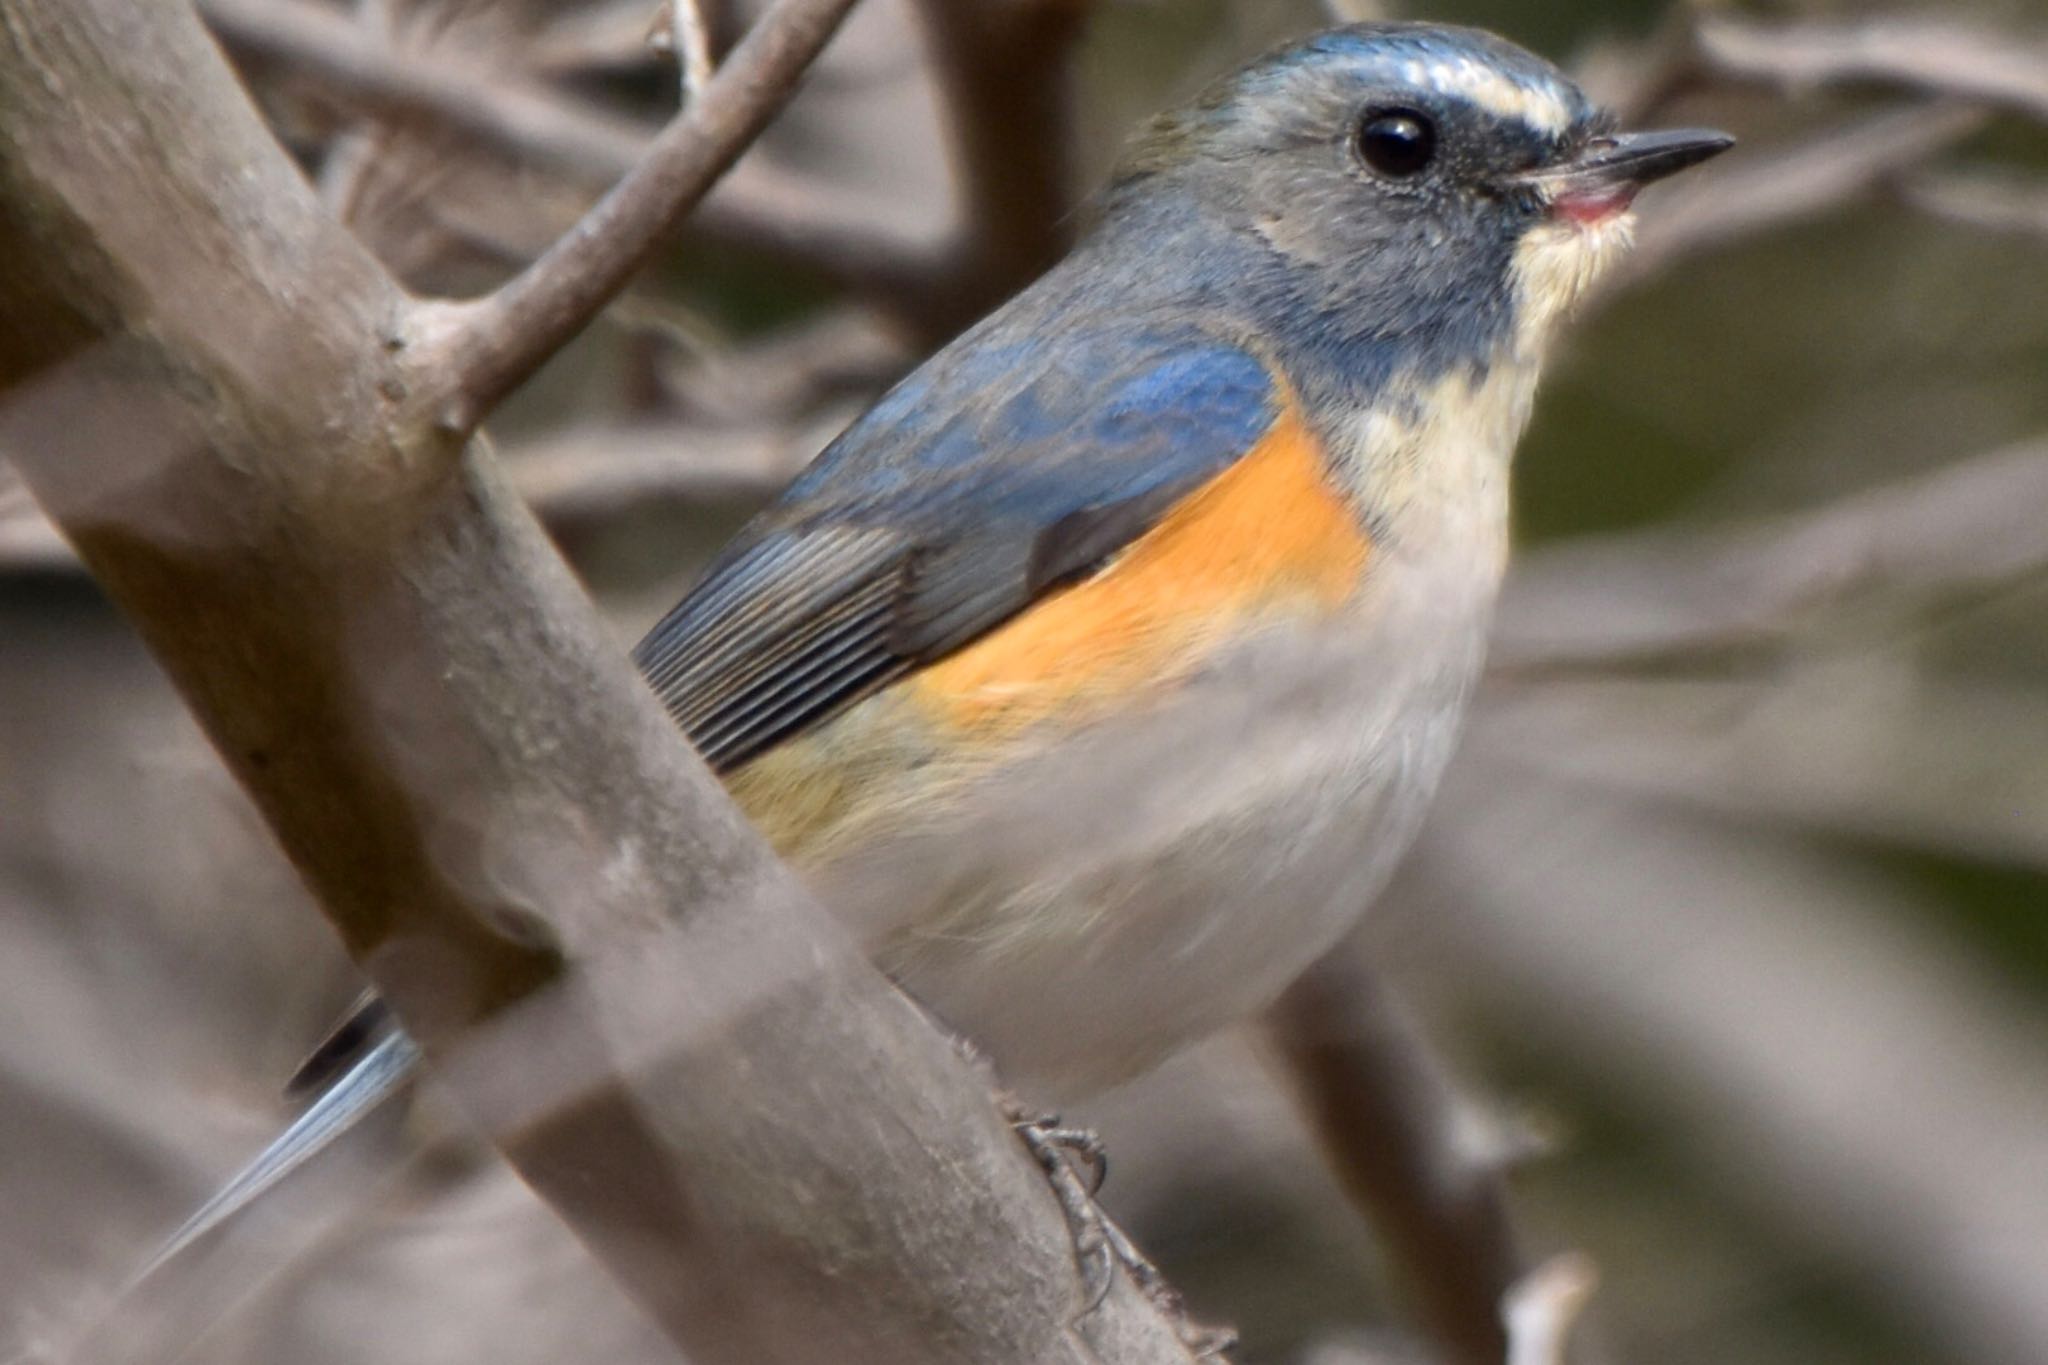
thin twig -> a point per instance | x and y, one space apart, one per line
1830 1051
836 354
1354 11
482 350
581 479
757 207
1938 57
1542 1307
1756 192
1638 80
27 539
592 475
338 58
1948 767
1970 528
1004 72
605 38
692 40
1395 1133
1991 203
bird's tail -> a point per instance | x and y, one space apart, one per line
380 1073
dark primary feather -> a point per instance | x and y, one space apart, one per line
995 473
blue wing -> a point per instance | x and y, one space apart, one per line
996 472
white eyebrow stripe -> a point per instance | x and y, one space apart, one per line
1493 92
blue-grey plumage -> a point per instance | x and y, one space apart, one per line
1102 670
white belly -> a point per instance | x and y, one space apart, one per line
1083 912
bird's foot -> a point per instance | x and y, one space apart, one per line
1051 1141
1095 1238
1099 1244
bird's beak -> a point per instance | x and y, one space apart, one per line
1603 177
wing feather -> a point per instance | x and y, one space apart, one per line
978 484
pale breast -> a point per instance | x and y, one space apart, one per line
1137 812
1087 908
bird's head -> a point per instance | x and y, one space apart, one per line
1438 188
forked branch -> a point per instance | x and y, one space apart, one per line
489 347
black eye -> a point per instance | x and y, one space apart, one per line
1397 142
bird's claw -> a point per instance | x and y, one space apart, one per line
1097 1241
1069 1145
1099 1244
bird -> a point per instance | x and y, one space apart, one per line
1099 674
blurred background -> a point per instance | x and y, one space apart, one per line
1732 923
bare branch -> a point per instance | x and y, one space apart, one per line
1354 11
1973 527
210 387
756 207
490 346
344 62
572 480
1958 769
742 425
1395 1134
27 539
1773 1002
835 354
590 475
1992 203
1542 1307
1638 79
1754 193
692 39
1937 57
1004 71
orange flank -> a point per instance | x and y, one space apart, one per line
1266 539
1270 535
